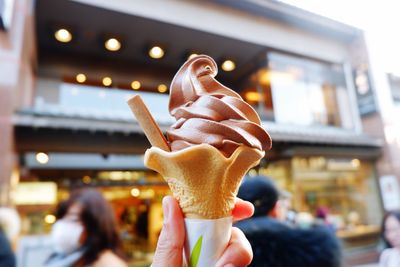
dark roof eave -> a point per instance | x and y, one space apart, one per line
279 133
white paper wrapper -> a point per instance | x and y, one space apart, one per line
206 240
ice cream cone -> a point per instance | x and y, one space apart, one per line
216 139
202 179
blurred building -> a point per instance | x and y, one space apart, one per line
68 67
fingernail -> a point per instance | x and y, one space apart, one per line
229 265
166 209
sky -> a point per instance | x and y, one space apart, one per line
380 19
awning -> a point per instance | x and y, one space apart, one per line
127 125
320 135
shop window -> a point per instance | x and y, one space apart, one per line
294 90
344 187
85 101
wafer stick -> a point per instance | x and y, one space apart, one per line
147 122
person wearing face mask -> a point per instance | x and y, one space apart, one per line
390 257
85 233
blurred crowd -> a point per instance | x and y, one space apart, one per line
86 234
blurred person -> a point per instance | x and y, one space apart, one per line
277 244
7 257
353 219
322 218
321 214
304 220
10 224
390 256
291 216
284 205
85 233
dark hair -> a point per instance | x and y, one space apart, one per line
99 222
395 214
261 191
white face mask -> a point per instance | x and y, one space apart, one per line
65 236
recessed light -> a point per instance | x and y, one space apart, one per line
162 88
156 52
112 44
42 158
86 179
135 85
228 65
135 192
253 96
81 78
50 219
192 55
107 81
63 35
355 163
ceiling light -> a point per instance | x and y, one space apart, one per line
50 219
135 85
162 88
112 44
86 179
228 65
156 52
107 81
253 96
192 55
42 158
135 192
355 163
81 78
63 35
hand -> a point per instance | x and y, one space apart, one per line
169 250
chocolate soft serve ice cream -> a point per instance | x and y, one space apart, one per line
216 139
209 113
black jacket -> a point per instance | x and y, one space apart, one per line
7 258
278 245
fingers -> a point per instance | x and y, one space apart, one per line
171 241
238 253
172 237
242 210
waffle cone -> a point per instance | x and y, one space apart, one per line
202 179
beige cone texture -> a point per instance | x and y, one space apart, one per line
203 180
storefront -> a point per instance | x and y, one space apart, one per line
319 153
299 81
345 186
135 195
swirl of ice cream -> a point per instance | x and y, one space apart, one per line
208 112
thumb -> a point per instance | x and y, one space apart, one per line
169 250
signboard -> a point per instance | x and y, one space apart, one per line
365 95
390 191
36 193
6 10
